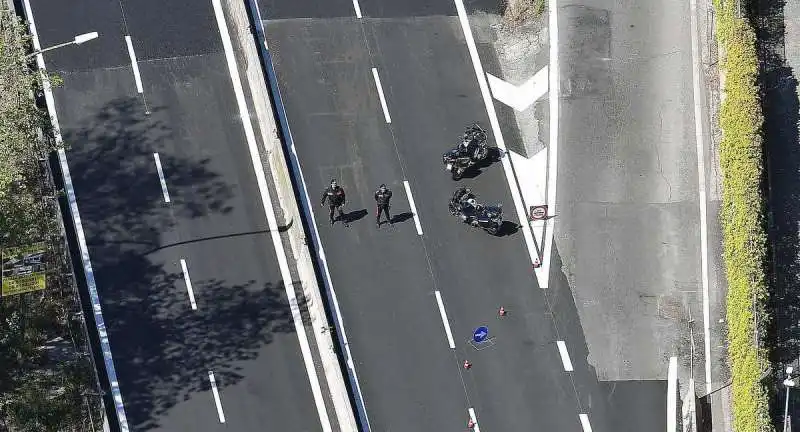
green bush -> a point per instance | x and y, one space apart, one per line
742 215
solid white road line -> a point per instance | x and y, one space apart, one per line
552 148
161 177
357 8
587 427
672 395
562 349
266 200
188 283
136 75
701 176
381 95
72 201
217 400
451 343
498 135
474 418
413 207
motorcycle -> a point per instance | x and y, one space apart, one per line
465 206
471 151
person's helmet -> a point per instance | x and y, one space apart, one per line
333 182
383 187
472 202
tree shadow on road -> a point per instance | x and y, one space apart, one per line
778 83
161 347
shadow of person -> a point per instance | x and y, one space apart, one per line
402 217
354 216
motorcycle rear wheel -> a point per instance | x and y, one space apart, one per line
457 173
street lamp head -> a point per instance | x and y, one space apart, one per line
789 370
789 382
86 37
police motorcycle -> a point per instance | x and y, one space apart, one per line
464 205
471 151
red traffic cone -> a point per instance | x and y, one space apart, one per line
467 364
470 424
537 263
502 311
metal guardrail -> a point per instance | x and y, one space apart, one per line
72 204
277 103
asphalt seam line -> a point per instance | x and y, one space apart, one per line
701 177
382 97
413 205
188 283
136 75
161 177
445 322
266 200
94 297
217 400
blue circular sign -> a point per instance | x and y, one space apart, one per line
480 334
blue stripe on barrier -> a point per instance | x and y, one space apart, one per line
72 201
94 297
288 143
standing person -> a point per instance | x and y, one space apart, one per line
334 194
382 197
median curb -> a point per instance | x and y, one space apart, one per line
247 31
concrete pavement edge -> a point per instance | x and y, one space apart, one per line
265 115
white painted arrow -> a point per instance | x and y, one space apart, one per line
519 97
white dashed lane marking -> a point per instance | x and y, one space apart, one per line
161 177
381 95
217 400
562 350
446 323
188 282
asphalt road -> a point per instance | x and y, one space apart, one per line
242 328
386 278
629 193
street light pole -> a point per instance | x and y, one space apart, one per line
789 383
79 39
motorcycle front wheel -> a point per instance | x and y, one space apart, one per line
457 173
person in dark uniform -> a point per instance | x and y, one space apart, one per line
334 194
382 197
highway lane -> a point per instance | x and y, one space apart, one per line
431 94
409 376
429 67
242 328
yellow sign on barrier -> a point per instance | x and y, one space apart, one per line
23 269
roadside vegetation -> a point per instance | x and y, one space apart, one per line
47 379
743 217
519 11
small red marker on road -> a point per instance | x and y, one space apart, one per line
537 263
467 364
470 424
502 311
